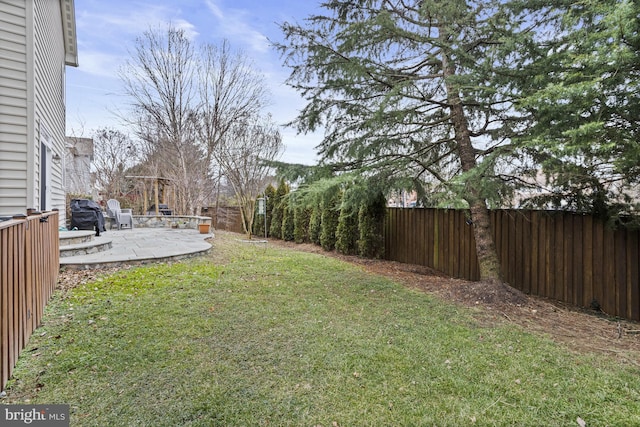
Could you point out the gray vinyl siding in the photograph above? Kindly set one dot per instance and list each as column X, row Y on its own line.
column 49, row 105
column 13, row 108
column 32, row 84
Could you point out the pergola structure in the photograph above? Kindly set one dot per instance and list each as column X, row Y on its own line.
column 157, row 183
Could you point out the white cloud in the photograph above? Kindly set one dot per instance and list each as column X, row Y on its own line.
column 112, row 25
column 233, row 24
column 100, row 64
column 215, row 9
column 188, row 28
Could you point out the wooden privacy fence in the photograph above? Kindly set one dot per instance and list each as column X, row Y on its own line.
column 225, row 218
column 568, row 257
column 29, row 257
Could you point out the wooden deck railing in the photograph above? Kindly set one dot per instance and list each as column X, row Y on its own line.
column 29, row 263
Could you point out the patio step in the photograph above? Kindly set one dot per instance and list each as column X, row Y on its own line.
column 82, row 242
column 75, row 237
column 85, row 248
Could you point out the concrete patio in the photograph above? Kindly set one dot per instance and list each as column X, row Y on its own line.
column 83, row 250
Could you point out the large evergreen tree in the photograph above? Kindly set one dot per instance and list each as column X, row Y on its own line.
column 404, row 92
column 580, row 86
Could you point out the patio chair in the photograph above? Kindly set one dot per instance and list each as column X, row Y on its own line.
column 122, row 218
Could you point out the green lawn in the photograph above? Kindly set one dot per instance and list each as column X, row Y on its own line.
column 274, row 337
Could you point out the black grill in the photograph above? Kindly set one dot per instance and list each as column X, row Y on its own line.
column 87, row 215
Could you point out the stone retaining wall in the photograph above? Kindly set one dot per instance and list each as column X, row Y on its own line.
column 169, row 221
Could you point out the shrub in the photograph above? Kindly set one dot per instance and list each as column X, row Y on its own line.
column 277, row 214
column 347, row 231
column 301, row 221
column 370, row 224
column 330, row 213
column 315, row 224
column 258, row 223
column 270, row 192
column 287, row 220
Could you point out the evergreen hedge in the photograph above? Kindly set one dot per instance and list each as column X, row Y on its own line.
column 287, row 219
column 330, row 213
column 315, row 224
column 277, row 214
column 270, row 192
column 301, row 221
column 371, row 223
column 347, row 231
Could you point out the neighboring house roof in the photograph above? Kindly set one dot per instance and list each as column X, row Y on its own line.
column 69, row 28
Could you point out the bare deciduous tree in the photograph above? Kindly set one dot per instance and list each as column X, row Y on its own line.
column 159, row 79
column 183, row 102
column 114, row 152
column 230, row 91
column 243, row 155
column 159, row 160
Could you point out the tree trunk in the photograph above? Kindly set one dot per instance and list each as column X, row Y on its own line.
column 245, row 219
column 488, row 260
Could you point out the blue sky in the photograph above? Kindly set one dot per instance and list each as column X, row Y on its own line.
column 107, row 31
